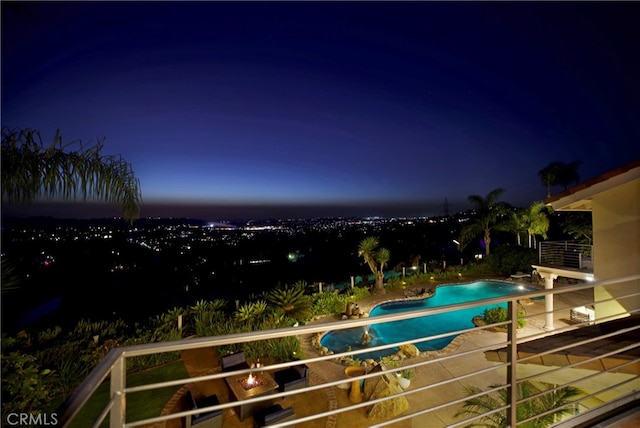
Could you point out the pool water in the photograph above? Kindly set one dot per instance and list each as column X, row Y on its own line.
column 430, row 325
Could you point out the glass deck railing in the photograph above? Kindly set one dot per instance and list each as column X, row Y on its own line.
column 488, row 357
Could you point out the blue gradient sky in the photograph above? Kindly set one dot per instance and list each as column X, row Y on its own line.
column 339, row 107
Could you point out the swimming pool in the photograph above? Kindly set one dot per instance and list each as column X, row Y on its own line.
column 430, row 325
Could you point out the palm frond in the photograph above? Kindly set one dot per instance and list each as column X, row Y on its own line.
column 32, row 170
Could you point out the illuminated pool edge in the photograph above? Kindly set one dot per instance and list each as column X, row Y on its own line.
column 424, row 346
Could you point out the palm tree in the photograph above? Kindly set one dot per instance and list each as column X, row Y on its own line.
column 548, row 176
column 569, row 174
column 488, row 211
column 559, row 173
column 538, row 222
column 30, row 169
column 541, row 402
column 376, row 257
column 518, row 224
column 529, row 221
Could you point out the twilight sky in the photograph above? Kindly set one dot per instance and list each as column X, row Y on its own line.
column 259, row 109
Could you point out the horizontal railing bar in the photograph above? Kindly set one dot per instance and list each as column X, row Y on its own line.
column 560, row 386
column 619, row 315
column 612, row 299
column 285, row 365
column 579, row 363
column 302, row 390
column 452, row 380
column 548, row 412
column 581, row 342
column 632, row 396
column 272, row 367
column 572, row 327
column 106, row 410
column 322, row 414
column 575, row 381
column 452, row 356
column 592, row 413
column 179, row 345
column 406, row 393
column 455, row 333
column 323, row 386
column 475, row 418
column 100, row 373
column 88, row 387
column 445, row 405
column 390, row 371
column 199, row 410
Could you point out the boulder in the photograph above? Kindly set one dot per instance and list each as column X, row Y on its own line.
column 410, row 350
column 384, row 386
column 349, row 309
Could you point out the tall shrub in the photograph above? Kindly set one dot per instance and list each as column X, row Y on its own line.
column 509, row 259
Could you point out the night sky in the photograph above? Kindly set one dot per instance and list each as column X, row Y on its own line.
column 243, row 109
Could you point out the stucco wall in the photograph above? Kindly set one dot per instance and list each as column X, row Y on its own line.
column 616, row 244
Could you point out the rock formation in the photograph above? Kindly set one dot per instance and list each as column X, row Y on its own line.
column 384, row 385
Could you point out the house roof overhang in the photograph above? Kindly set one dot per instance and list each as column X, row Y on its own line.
column 579, row 197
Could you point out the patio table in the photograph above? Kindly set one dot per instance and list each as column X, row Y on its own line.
column 267, row 386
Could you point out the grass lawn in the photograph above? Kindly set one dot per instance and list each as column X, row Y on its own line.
column 141, row 405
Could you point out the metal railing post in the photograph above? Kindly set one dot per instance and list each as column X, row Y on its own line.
column 117, row 416
column 512, row 357
column 540, row 253
column 580, row 260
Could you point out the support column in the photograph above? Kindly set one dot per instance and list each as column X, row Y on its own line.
column 548, row 299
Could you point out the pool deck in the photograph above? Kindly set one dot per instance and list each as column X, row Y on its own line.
column 334, row 397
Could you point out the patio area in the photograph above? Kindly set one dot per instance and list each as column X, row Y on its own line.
column 334, row 397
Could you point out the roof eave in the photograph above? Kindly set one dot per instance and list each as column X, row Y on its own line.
column 578, row 198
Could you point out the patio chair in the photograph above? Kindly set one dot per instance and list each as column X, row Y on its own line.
column 273, row 415
column 236, row 361
column 211, row 419
column 294, row 377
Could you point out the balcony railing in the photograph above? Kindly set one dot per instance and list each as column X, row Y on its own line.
column 566, row 255
column 613, row 385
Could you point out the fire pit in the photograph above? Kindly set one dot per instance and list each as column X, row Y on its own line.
column 243, row 387
column 250, row 381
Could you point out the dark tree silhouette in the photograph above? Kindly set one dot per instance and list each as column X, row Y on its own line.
column 559, row 174
column 487, row 213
